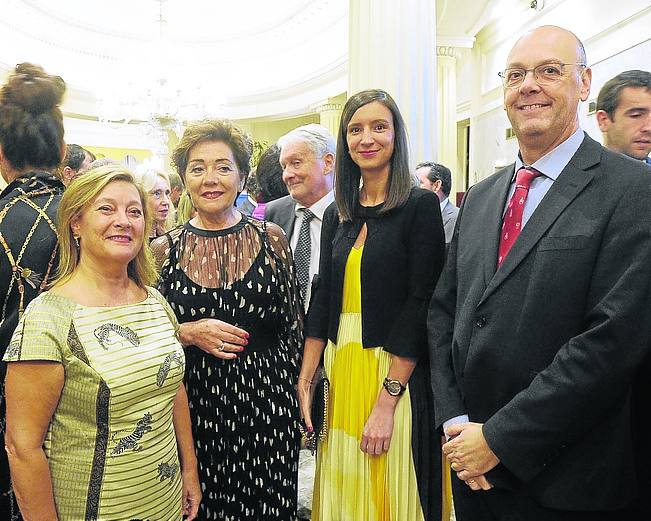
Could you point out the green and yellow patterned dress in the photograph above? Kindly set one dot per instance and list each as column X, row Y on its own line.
column 111, row 444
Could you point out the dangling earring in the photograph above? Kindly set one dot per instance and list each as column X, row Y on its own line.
column 76, row 238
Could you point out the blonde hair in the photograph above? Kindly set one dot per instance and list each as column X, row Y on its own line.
column 77, row 197
column 184, row 209
column 146, row 180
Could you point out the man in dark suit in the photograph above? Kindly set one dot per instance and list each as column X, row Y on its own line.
column 624, row 117
column 540, row 318
column 437, row 178
column 307, row 156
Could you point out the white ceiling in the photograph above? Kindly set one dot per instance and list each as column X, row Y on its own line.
column 287, row 55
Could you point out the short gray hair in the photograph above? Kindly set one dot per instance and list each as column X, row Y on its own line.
column 316, row 136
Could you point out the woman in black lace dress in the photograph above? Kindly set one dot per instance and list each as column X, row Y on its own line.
column 230, row 281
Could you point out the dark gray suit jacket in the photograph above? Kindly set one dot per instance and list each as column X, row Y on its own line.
column 542, row 351
column 282, row 212
column 449, row 215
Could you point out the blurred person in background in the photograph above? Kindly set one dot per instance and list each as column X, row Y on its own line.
column 102, row 161
column 252, row 189
column 624, row 114
column 76, row 161
column 307, row 156
column 185, row 209
column 437, row 178
column 176, row 186
column 156, row 185
column 269, row 175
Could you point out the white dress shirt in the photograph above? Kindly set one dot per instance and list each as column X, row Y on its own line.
column 318, row 209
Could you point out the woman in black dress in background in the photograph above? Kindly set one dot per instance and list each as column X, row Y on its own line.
column 231, row 284
column 31, row 148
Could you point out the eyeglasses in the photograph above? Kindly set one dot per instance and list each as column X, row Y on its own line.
column 544, row 74
column 159, row 194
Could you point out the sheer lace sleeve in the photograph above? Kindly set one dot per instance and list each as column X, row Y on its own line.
column 161, row 246
column 290, row 295
column 280, row 244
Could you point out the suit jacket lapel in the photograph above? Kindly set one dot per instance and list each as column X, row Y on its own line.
column 291, row 218
column 492, row 221
column 286, row 216
column 571, row 181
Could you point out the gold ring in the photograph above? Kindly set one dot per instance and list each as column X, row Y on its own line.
column 221, row 347
column 471, row 481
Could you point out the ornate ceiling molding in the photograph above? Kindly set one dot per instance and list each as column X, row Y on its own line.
column 450, row 52
column 448, row 40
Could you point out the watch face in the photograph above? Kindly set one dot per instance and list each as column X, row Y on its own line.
column 394, row 388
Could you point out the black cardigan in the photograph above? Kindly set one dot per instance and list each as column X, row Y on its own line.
column 403, row 257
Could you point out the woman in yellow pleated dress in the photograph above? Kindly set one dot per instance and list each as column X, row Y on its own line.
column 382, row 249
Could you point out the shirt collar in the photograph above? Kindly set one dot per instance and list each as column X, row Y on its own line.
column 554, row 161
column 318, row 208
column 444, row 203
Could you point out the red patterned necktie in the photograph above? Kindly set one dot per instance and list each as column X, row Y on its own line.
column 512, row 224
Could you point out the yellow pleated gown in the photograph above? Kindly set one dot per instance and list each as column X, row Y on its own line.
column 351, row 485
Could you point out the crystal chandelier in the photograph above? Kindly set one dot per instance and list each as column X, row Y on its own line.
column 149, row 94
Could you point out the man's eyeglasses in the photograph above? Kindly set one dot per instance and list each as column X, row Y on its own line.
column 544, row 74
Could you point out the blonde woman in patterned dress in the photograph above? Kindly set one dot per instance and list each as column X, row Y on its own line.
column 98, row 426
column 229, row 279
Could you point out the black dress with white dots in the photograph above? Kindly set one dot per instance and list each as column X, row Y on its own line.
column 244, row 411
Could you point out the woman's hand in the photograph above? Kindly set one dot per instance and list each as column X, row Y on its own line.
column 376, row 437
column 191, row 494
column 305, row 395
column 217, row 338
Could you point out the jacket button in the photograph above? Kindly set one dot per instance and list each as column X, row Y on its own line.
column 480, row 322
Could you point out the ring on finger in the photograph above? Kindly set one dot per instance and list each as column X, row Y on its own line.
column 221, row 347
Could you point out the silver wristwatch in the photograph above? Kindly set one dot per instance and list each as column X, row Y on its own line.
column 394, row 387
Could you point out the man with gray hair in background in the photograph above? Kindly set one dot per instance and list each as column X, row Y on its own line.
column 307, row 157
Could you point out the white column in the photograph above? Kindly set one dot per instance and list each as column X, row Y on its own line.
column 329, row 116
column 392, row 46
column 446, row 73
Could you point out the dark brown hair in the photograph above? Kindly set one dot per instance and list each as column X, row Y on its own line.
column 608, row 98
column 347, row 173
column 222, row 130
column 31, row 123
column 270, row 175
